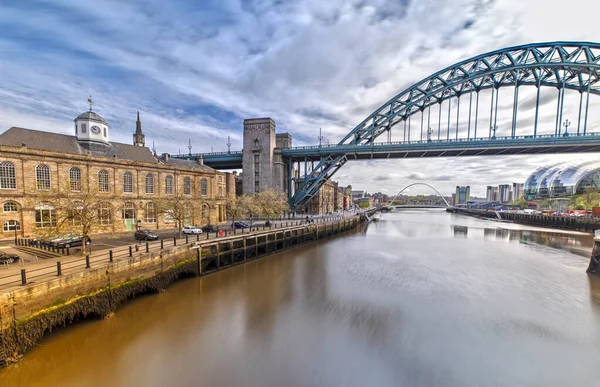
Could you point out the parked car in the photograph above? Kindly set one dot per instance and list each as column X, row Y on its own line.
column 191, row 230
column 146, row 235
column 210, row 228
column 240, row 225
column 59, row 240
column 74, row 242
column 8, row 258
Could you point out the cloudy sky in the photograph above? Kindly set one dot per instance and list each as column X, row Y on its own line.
column 196, row 69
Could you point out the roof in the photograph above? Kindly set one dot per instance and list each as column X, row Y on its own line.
column 54, row 142
column 186, row 163
column 90, row 115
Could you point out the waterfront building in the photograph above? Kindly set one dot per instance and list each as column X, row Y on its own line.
column 131, row 177
column 504, row 193
column 461, row 196
column 562, row 180
column 357, row 195
column 517, row 190
column 491, row 193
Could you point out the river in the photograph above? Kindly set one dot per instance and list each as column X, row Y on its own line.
column 422, row 298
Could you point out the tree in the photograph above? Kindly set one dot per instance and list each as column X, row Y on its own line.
column 238, row 207
column 364, row 204
column 71, row 207
column 270, row 204
column 177, row 208
column 522, row 203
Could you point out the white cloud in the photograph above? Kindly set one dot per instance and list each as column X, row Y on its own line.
column 196, row 70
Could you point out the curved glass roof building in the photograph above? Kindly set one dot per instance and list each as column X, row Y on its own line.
column 561, row 180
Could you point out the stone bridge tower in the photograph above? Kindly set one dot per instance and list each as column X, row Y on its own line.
column 262, row 163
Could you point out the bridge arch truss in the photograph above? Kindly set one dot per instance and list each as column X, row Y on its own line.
column 559, row 65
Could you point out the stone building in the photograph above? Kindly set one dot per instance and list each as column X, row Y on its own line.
column 131, row 177
column 323, row 202
column 264, row 167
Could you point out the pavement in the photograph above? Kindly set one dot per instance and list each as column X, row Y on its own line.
column 40, row 269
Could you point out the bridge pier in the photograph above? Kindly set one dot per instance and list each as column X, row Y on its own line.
column 594, row 267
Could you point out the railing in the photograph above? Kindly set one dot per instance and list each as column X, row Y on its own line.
column 206, row 154
column 134, row 253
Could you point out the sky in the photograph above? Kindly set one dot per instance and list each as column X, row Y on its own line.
column 195, row 69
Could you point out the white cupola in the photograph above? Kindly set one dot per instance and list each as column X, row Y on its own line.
column 89, row 126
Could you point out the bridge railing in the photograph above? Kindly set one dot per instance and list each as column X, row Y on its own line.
column 452, row 140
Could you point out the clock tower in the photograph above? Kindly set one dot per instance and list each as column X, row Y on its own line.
column 89, row 126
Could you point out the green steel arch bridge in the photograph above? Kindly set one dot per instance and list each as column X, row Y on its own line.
column 561, row 66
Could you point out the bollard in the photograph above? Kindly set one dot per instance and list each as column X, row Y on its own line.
column 87, row 261
column 58, row 269
column 23, row 277
column 207, row 235
column 186, row 239
column 68, row 251
column 197, row 237
column 110, row 256
column 63, row 250
column 147, row 247
column 162, row 245
column 235, row 231
column 174, row 241
column 130, row 251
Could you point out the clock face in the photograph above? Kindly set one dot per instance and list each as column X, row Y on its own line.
column 95, row 129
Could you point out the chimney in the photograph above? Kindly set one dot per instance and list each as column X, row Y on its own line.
column 165, row 157
column 23, row 145
column 201, row 160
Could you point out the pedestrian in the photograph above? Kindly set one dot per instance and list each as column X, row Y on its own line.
column 139, row 225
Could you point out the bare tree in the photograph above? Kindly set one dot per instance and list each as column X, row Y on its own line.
column 71, row 207
column 176, row 208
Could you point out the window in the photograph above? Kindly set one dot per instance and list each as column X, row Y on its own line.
column 11, row 225
column 127, row 182
column 75, row 179
column 150, row 213
column 220, row 179
column 83, row 128
column 256, row 172
column 128, row 211
column 10, row 207
column 75, row 214
column 104, row 214
column 220, row 192
column 149, row 183
column 169, row 185
column 42, row 177
column 204, row 187
column 187, row 186
column 7, row 175
column 103, row 181
column 105, row 132
column 44, row 215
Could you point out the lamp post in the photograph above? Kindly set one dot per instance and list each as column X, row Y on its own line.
column 429, row 134
column 566, row 124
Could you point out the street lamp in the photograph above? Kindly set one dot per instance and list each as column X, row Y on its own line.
column 566, row 124
column 429, row 134
column 494, row 127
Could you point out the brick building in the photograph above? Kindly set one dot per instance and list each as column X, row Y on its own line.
column 130, row 176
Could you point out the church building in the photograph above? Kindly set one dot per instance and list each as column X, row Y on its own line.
column 130, row 176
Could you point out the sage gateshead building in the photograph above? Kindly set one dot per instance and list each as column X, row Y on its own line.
column 562, row 180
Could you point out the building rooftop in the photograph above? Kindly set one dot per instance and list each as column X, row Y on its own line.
column 54, row 142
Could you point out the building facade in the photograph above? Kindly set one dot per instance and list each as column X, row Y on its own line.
column 461, row 195
column 129, row 180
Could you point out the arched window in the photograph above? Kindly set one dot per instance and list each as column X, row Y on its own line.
column 150, row 213
column 187, row 186
column 204, row 187
column 11, row 225
column 42, row 177
column 7, row 175
column 149, row 183
column 128, row 211
column 10, row 207
column 104, row 214
column 44, row 215
column 103, row 185
column 75, row 179
column 169, row 185
column 128, row 182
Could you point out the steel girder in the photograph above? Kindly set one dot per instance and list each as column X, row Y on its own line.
column 571, row 65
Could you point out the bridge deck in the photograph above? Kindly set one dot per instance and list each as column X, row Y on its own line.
column 419, row 149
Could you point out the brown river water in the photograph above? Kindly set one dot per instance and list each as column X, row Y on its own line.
column 422, row 298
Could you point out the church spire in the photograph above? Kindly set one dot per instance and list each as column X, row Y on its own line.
column 138, row 137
